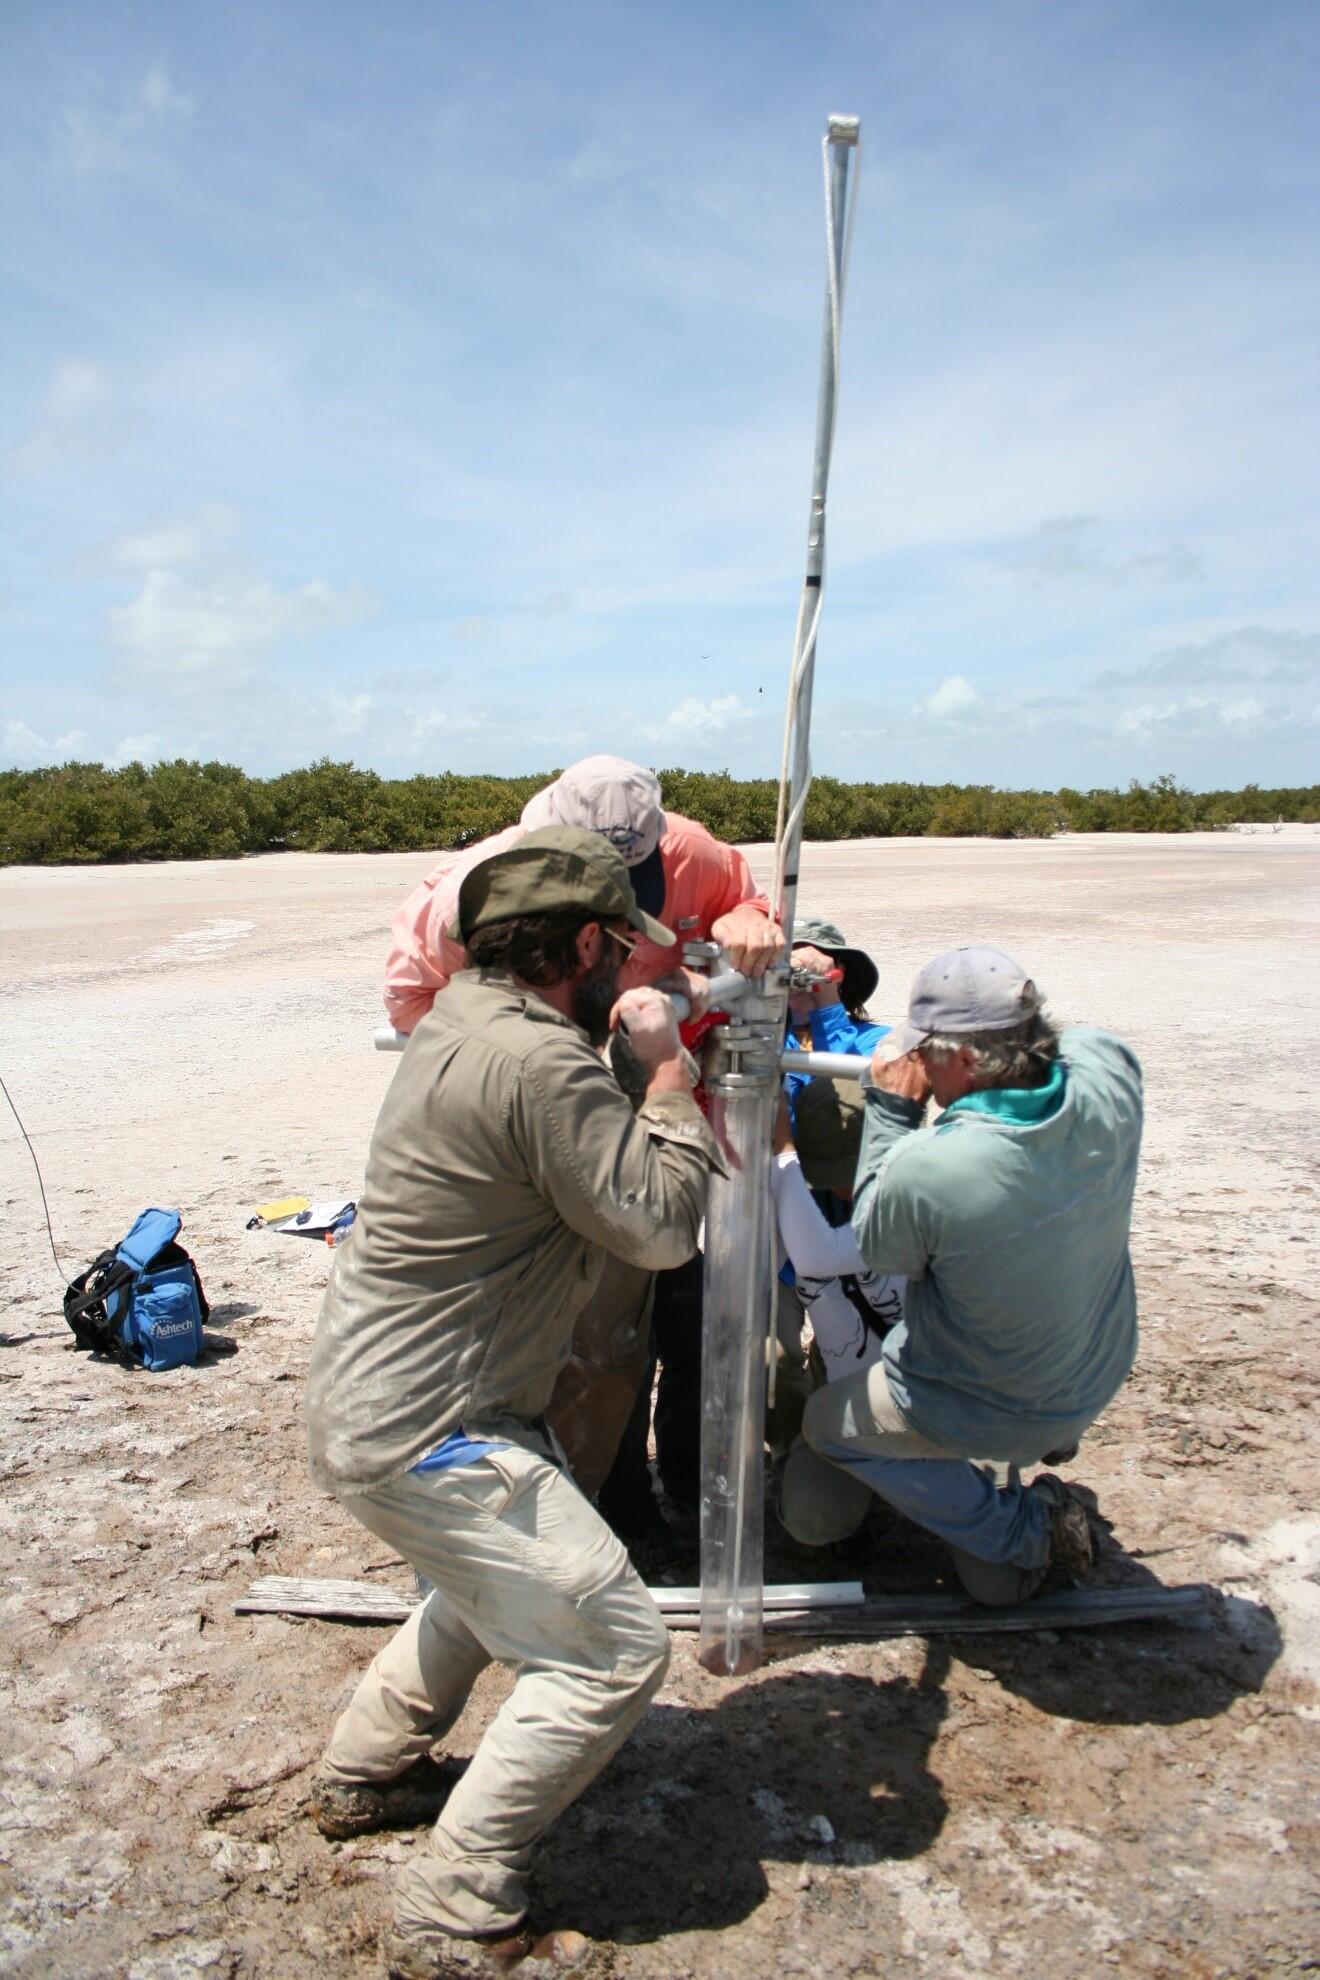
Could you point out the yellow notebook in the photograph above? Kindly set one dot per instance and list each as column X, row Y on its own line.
column 284, row 1206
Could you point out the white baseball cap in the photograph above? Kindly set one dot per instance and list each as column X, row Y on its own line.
column 604, row 794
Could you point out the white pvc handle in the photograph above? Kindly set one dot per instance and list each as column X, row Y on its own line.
column 825, row 1065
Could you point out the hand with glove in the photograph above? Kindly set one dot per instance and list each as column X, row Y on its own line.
column 646, row 1018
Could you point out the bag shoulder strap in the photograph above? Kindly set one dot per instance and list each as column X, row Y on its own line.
column 85, row 1304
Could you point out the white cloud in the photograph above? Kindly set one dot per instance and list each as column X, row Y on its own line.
column 23, row 746
column 448, row 722
column 134, row 749
column 98, row 136
column 194, row 627
column 554, row 605
column 1196, row 716
column 1246, row 655
column 481, row 629
column 1149, row 715
column 1068, row 549
column 26, row 750
column 695, row 721
column 1236, row 713
column 76, row 390
column 1251, row 682
column 77, row 421
column 1174, row 564
column 202, row 612
column 346, row 714
column 181, row 540
column 158, row 96
column 952, row 700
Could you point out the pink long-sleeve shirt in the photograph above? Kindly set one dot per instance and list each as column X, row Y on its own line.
column 704, row 879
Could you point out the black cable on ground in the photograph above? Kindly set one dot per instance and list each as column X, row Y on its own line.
column 40, row 1184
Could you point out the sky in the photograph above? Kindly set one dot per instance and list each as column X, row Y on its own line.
column 434, row 386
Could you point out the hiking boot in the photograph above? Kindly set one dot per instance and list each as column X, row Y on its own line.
column 1064, row 1455
column 438, row 1955
column 1070, row 1531
column 1002, row 1584
column 352, row 1808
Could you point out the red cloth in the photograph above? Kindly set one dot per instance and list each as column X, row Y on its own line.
column 704, row 879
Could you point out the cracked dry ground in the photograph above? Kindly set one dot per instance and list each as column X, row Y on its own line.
column 1139, row 1800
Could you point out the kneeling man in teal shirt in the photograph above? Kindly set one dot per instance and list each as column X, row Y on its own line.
column 1010, row 1218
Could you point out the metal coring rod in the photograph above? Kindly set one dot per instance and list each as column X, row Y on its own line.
column 842, row 137
column 744, row 1059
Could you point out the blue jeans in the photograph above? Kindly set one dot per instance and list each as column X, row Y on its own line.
column 853, row 1425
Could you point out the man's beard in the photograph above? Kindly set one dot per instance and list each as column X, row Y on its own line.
column 594, row 997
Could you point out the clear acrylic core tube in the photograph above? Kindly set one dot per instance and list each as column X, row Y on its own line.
column 744, row 1090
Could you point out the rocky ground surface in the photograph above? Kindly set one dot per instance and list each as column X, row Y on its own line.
column 1141, row 1799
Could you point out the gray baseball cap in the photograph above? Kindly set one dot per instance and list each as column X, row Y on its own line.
column 963, row 991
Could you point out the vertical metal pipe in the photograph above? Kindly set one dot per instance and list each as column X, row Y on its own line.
column 742, row 1077
column 841, row 139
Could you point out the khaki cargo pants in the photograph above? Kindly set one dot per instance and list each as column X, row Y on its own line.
column 526, row 1574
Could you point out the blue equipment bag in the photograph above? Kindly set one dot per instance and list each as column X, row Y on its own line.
column 143, row 1302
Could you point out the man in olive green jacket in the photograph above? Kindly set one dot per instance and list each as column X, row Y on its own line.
column 505, row 1164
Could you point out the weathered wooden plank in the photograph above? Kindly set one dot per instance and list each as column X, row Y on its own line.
column 282, row 1594
column 874, row 1618
column 954, row 1615
column 350, row 1601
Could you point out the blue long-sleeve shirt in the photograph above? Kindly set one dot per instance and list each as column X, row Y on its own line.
column 834, row 1029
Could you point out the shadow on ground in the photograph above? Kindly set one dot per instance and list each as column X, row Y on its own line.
column 675, row 1835
column 1136, row 1674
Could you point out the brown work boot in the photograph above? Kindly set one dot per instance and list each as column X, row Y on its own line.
column 352, row 1808
column 1070, row 1531
column 441, row 1955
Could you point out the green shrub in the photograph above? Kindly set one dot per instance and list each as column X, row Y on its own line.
column 83, row 813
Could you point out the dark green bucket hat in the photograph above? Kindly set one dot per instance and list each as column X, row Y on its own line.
column 860, row 975
column 827, row 1129
column 558, row 868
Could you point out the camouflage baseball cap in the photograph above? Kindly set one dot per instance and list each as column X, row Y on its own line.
column 557, row 869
